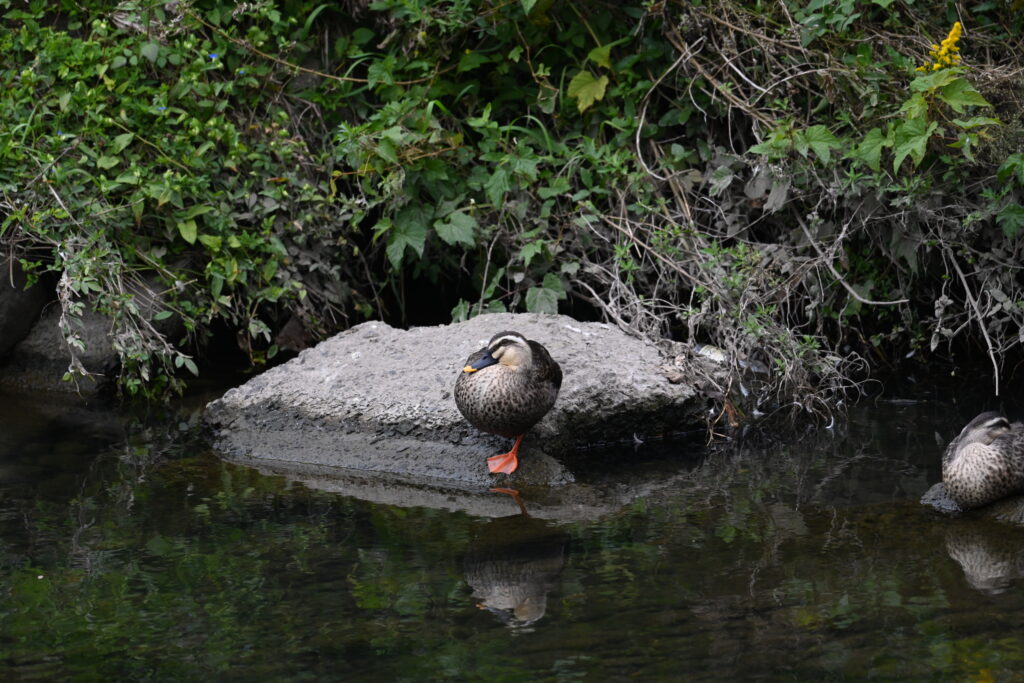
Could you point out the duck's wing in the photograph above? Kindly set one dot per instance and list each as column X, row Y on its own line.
column 546, row 367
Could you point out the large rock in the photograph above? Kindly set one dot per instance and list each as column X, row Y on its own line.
column 41, row 359
column 378, row 399
column 19, row 307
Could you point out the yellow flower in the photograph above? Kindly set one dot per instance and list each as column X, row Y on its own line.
column 945, row 54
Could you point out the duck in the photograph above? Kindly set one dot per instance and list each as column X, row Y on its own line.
column 985, row 462
column 505, row 388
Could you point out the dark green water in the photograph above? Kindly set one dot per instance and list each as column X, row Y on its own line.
column 130, row 552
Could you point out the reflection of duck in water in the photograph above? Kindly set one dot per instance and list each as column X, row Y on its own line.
column 506, row 388
column 511, row 566
column 985, row 462
column 991, row 555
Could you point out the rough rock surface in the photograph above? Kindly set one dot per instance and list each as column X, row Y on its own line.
column 19, row 307
column 379, row 399
column 41, row 359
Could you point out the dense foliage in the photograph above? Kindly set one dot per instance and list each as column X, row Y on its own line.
column 794, row 183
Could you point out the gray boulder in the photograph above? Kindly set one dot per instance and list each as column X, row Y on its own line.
column 41, row 359
column 379, row 400
column 19, row 307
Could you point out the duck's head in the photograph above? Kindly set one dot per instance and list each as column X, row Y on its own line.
column 507, row 348
column 983, row 429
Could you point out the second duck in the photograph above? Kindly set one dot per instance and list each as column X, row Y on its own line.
column 985, row 462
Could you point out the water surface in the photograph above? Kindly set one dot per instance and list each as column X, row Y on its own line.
column 129, row 551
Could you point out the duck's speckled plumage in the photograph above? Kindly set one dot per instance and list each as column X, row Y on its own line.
column 507, row 399
column 985, row 462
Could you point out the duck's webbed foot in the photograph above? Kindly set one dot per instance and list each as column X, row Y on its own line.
column 506, row 462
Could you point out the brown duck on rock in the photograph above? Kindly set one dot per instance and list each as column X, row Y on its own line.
column 985, row 462
column 506, row 388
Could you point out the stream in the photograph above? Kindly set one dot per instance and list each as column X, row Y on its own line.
column 130, row 551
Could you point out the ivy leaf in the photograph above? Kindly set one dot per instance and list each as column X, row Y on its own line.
column 554, row 283
column 916, row 107
column 870, row 149
column 959, row 94
column 1014, row 165
column 497, row 186
column 471, row 60
column 460, row 312
column 822, row 141
column 409, row 229
column 601, row 56
column 541, row 300
column 1011, row 219
column 457, row 228
column 531, row 250
column 911, row 139
column 558, row 185
column 933, row 80
column 586, row 89
column 976, row 122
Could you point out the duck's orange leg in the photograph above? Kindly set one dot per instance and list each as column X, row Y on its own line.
column 506, row 462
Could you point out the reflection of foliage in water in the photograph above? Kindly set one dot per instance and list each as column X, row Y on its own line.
column 798, row 561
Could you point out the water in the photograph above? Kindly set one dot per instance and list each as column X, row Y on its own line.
column 128, row 551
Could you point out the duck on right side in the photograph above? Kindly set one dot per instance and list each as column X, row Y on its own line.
column 985, row 462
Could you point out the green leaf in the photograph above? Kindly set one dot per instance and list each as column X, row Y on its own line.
column 977, row 122
column 530, row 250
column 527, row 5
column 120, row 142
column 497, row 185
column 1014, row 165
column 822, row 141
column 211, row 242
column 959, row 94
column 190, row 365
column 586, row 89
column 409, row 230
column 554, row 283
column 197, row 210
column 457, row 228
column 150, row 51
column 460, row 312
column 129, row 177
column 163, row 315
column 720, row 179
column 187, row 228
column 1011, row 219
column 107, row 162
column 916, row 107
column 558, row 185
column 493, row 284
column 911, row 139
column 933, row 80
column 541, row 300
column 471, row 60
column 870, row 149
column 601, row 56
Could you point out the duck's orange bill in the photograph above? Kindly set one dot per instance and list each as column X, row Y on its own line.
column 469, row 368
